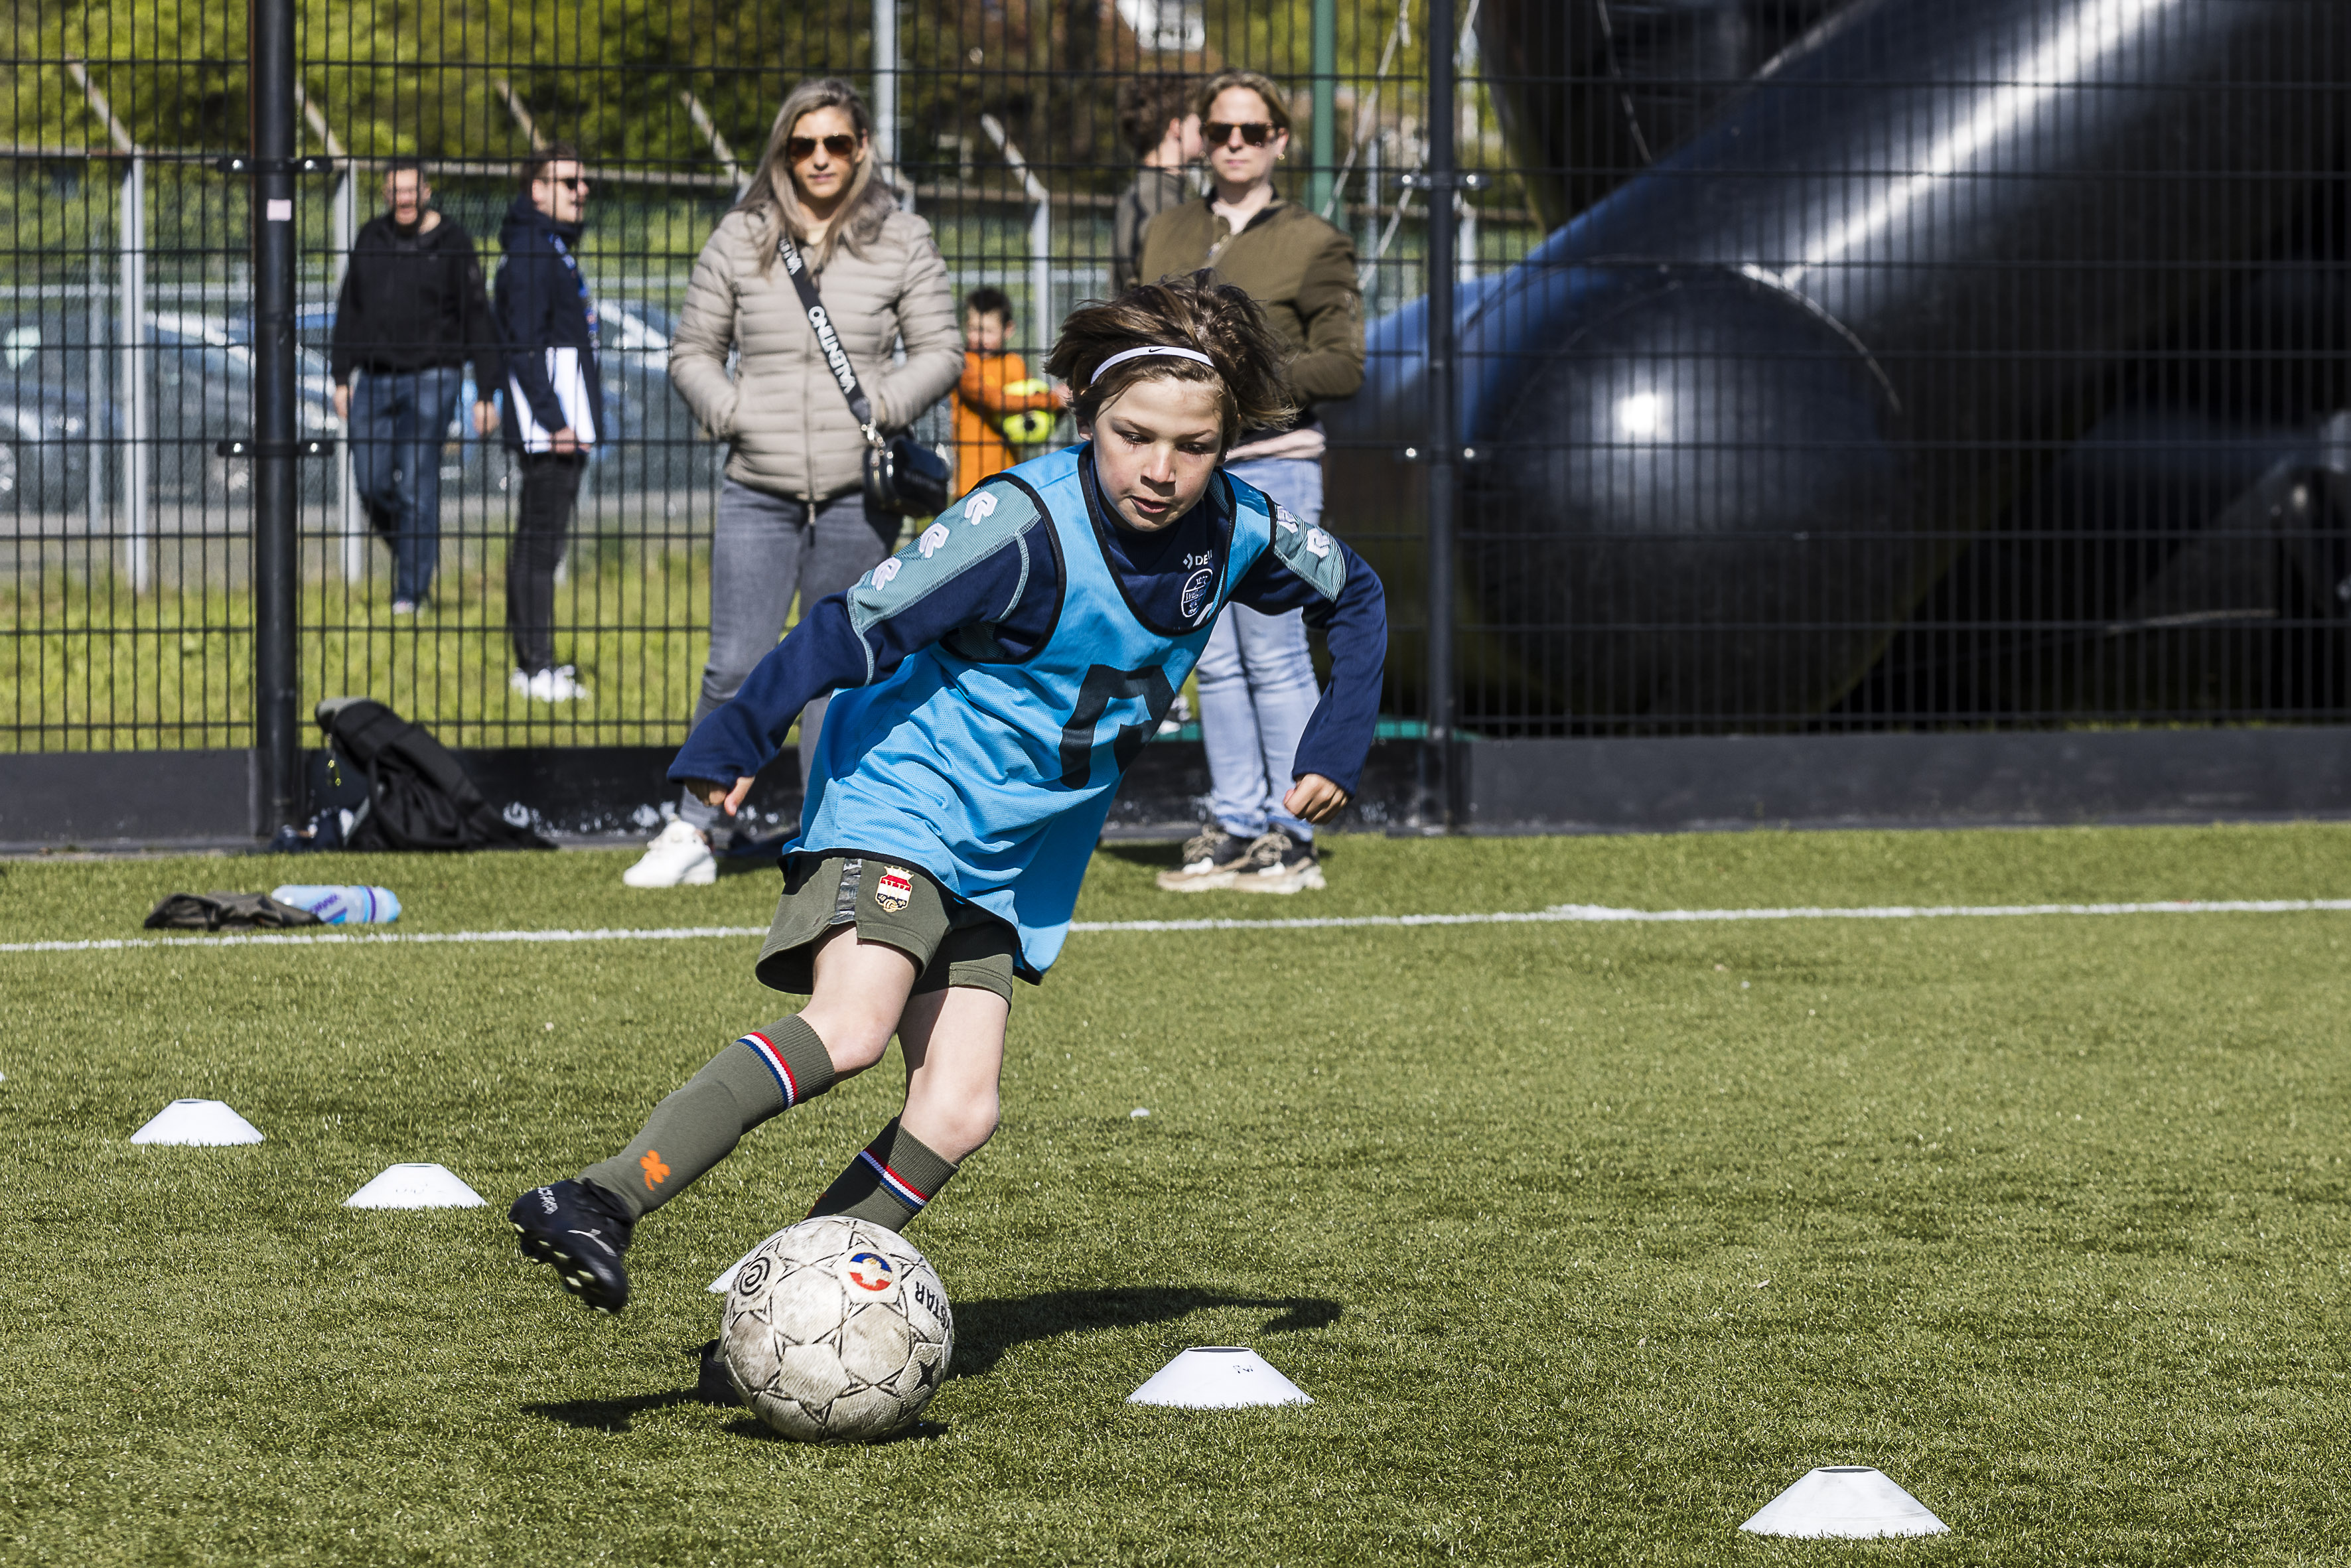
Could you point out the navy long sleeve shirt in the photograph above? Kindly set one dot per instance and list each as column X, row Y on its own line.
column 542, row 304
column 1004, row 601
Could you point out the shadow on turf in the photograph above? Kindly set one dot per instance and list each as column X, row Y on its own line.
column 711, row 1386
column 986, row 1330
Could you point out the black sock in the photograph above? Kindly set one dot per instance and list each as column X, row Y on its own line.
column 890, row 1181
column 763, row 1074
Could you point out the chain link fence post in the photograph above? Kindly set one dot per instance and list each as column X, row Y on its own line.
column 1439, row 786
column 277, row 541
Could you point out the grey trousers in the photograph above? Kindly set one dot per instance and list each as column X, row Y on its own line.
column 765, row 550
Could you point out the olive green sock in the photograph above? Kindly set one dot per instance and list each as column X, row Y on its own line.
column 889, row 1182
column 764, row 1073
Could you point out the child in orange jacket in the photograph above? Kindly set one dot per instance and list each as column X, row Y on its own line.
column 995, row 398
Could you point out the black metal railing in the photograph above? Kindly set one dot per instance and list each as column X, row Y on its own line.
column 1808, row 364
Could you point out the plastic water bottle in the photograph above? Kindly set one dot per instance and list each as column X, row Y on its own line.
column 353, row 905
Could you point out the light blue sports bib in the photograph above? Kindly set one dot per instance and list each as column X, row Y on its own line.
column 995, row 775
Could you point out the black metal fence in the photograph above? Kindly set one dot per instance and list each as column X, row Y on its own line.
column 1811, row 364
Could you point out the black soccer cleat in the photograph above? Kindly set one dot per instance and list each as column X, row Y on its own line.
column 582, row 1233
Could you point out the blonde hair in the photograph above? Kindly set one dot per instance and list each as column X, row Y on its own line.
column 1197, row 313
column 773, row 195
column 1276, row 111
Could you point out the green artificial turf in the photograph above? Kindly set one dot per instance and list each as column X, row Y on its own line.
column 1586, row 1239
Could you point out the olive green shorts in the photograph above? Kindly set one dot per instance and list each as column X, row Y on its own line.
column 952, row 943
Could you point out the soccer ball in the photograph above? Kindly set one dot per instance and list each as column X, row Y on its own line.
column 1028, row 429
column 836, row 1328
column 1032, row 426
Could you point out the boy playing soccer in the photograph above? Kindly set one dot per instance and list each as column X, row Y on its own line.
column 995, row 393
column 993, row 683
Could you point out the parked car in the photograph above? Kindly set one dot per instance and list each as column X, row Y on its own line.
column 203, row 385
column 50, row 425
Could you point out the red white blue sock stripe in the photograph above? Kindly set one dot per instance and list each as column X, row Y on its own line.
column 765, row 1050
column 899, row 1187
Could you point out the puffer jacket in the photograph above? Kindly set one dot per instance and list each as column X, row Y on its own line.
column 782, row 412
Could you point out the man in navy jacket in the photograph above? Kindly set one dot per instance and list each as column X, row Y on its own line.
column 553, row 398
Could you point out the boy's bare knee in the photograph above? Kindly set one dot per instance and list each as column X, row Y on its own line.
column 855, row 1048
column 974, row 1126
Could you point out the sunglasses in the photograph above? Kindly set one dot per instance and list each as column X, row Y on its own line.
column 576, row 184
column 800, row 149
column 1256, row 132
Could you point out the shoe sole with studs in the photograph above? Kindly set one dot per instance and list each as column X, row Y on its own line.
column 575, row 1279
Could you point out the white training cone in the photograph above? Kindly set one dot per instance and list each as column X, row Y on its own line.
column 1219, row 1377
column 201, row 1121
column 725, row 1282
column 415, row 1187
column 1851, row 1502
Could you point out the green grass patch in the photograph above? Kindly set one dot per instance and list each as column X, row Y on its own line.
column 1585, row 1240
column 86, row 664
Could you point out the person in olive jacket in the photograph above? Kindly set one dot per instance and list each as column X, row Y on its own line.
column 1256, row 678
column 792, row 518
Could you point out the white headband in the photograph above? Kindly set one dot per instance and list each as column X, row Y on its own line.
column 1155, row 351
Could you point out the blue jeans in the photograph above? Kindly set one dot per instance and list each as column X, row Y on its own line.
column 1257, row 681
column 399, row 420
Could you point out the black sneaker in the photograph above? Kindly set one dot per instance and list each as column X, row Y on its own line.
column 1279, row 863
column 583, row 1233
column 1211, row 856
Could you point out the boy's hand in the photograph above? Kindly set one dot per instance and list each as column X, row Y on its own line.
column 710, row 792
column 1314, row 799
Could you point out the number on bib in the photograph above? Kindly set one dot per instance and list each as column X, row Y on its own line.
column 1103, row 685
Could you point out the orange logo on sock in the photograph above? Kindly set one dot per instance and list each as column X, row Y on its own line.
column 657, row 1173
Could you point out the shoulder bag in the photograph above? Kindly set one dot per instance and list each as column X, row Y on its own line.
column 902, row 475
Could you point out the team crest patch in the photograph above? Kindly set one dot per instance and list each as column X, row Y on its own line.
column 895, row 890
column 869, row 1276
column 1195, row 592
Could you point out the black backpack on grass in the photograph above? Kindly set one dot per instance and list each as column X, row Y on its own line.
column 402, row 788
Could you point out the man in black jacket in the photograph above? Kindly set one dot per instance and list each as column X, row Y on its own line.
column 412, row 312
column 555, row 398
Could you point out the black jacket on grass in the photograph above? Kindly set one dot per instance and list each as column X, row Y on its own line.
column 414, row 300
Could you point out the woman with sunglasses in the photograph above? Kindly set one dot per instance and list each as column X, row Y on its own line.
column 792, row 519
column 1257, row 679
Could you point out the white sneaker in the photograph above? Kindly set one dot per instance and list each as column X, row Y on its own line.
column 678, row 857
column 560, row 684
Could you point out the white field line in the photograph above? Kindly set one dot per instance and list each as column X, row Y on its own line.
column 1558, row 914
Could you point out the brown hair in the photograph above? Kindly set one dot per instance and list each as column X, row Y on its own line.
column 1276, row 109
column 1146, row 105
column 537, row 163
column 864, row 206
column 1195, row 312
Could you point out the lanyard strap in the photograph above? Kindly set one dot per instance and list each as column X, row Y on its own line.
column 835, row 357
column 579, row 281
